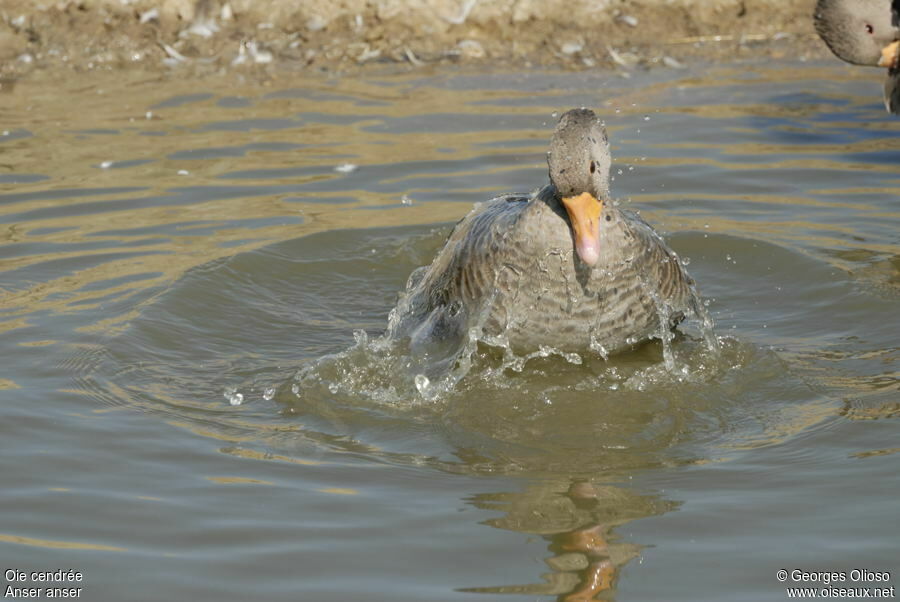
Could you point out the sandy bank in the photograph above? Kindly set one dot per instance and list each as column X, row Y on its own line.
column 347, row 35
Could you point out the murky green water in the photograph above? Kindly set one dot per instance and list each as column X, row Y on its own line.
column 168, row 247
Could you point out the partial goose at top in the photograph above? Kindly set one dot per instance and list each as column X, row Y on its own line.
column 865, row 32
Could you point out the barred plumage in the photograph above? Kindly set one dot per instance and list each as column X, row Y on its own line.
column 511, row 270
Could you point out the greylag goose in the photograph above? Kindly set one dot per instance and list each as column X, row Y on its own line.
column 564, row 267
column 865, row 32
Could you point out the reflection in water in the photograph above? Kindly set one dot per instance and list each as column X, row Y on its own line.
column 578, row 523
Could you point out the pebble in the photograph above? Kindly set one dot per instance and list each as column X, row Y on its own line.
column 571, row 48
column 411, row 57
column 673, row 63
column 368, row 54
column 625, row 59
column 463, row 14
column 471, row 49
column 204, row 28
column 251, row 52
column 173, row 54
column 149, row 15
column 316, row 23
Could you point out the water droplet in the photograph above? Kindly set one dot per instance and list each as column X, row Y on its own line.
column 685, row 261
column 269, row 393
column 422, row 383
column 646, row 118
column 346, row 168
column 619, row 172
column 406, row 200
column 598, row 348
column 106, row 165
column 554, row 114
column 233, row 397
column 183, row 172
column 572, row 358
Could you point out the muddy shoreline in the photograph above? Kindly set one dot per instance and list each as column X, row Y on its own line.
column 352, row 35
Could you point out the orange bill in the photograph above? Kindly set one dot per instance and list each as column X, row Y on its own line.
column 889, row 55
column 584, row 213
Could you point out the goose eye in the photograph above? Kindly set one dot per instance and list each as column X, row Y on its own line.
column 869, row 29
column 593, row 167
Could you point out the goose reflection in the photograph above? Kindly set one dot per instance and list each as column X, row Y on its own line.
column 578, row 519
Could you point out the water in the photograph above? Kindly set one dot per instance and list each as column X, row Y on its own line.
column 194, row 276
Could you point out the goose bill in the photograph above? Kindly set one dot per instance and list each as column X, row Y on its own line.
column 584, row 213
column 889, row 55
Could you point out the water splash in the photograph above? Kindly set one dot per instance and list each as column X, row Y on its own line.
column 666, row 334
column 598, row 347
column 707, row 324
column 422, row 384
column 440, row 329
column 695, row 306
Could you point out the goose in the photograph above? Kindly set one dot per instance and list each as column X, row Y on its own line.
column 864, row 32
column 564, row 267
